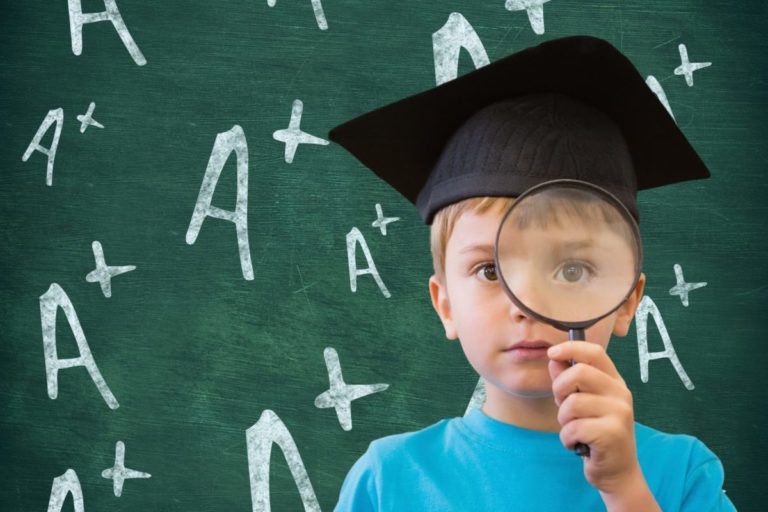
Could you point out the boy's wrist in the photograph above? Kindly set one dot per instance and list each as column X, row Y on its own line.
column 634, row 495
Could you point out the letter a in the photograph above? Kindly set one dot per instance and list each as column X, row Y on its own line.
column 355, row 237
column 77, row 19
column 447, row 42
column 50, row 301
column 68, row 483
column 646, row 307
column 54, row 116
column 226, row 142
column 260, row 438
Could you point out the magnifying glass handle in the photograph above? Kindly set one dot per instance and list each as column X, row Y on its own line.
column 578, row 335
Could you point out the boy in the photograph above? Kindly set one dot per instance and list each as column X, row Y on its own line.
column 569, row 108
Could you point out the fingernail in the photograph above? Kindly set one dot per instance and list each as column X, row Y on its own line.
column 553, row 351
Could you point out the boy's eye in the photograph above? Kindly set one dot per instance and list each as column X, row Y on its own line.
column 488, row 271
column 574, row 271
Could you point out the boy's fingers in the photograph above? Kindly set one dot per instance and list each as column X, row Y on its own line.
column 584, row 352
column 582, row 430
column 587, row 405
column 588, row 379
column 556, row 368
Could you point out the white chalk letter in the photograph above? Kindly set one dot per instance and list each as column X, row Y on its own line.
column 50, row 302
column 54, row 116
column 535, row 10
column 317, row 7
column 226, row 142
column 478, row 397
column 63, row 485
column 648, row 307
column 658, row 90
column 260, row 438
column 355, row 237
column 447, row 42
column 77, row 19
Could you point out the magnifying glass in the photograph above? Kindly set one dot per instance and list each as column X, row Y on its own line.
column 568, row 253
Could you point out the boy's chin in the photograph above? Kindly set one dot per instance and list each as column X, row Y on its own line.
column 530, row 393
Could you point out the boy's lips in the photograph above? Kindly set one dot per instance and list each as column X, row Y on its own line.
column 528, row 350
column 529, row 344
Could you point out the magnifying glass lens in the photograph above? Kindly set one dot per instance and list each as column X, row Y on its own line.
column 569, row 253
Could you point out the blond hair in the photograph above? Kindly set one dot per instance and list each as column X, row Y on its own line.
column 445, row 219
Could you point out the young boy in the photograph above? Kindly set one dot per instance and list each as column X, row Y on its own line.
column 569, row 108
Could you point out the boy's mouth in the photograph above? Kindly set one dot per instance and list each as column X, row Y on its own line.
column 528, row 350
column 527, row 344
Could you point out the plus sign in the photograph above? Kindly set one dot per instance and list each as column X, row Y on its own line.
column 687, row 68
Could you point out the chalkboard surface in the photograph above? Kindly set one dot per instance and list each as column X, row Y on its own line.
column 188, row 265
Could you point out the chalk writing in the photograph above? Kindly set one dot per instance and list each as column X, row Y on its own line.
column 77, row 19
column 447, row 43
column 119, row 473
column 104, row 273
column 317, row 7
column 682, row 288
column 382, row 221
column 340, row 394
column 226, row 142
column 355, row 237
column 50, row 302
column 648, row 307
column 687, row 68
column 87, row 119
column 478, row 396
column 655, row 86
column 260, row 438
column 535, row 10
column 53, row 116
column 68, row 483
column 293, row 135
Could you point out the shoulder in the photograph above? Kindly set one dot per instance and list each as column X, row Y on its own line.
column 388, row 460
column 651, row 441
column 681, row 469
column 409, row 445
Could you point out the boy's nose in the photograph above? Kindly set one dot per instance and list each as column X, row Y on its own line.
column 517, row 314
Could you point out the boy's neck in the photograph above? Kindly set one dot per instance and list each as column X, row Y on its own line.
column 531, row 413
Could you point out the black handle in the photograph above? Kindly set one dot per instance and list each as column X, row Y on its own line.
column 581, row 449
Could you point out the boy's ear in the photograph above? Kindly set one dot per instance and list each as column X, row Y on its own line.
column 627, row 310
column 439, row 294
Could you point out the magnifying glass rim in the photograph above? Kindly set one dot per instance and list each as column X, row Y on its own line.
column 573, row 183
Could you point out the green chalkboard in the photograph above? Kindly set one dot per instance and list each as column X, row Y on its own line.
column 207, row 347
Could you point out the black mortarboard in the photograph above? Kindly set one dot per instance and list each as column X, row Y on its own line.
column 573, row 107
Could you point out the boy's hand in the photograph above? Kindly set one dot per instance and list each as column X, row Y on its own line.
column 600, row 414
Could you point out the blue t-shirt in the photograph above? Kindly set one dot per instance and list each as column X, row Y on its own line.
column 479, row 463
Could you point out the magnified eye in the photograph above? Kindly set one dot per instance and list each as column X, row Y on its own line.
column 574, row 271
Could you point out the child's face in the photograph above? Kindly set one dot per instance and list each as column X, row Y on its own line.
column 474, row 307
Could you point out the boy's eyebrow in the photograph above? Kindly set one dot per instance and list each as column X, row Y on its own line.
column 487, row 248
column 578, row 244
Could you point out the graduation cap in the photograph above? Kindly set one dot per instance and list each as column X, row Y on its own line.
column 573, row 107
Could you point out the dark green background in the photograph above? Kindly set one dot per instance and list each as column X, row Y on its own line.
column 194, row 353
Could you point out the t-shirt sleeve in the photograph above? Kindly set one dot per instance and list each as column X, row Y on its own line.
column 358, row 492
column 704, row 483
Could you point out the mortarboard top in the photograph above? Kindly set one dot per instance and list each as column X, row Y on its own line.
column 573, row 107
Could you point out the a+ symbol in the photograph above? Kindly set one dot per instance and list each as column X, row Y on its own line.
column 340, row 395
column 293, row 136
column 687, row 68
column 682, row 288
column 382, row 221
column 87, row 119
column 119, row 473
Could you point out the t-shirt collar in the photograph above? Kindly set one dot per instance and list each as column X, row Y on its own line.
column 508, row 437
